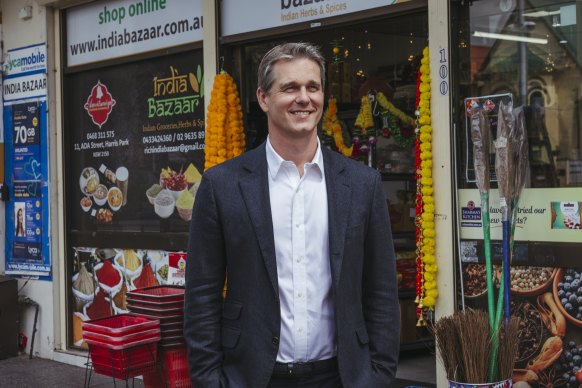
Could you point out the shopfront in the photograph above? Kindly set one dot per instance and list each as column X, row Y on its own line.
column 130, row 80
column 133, row 118
column 525, row 54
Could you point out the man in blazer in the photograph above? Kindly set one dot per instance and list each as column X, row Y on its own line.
column 303, row 236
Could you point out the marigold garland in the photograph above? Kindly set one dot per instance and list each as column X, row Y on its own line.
column 365, row 121
column 332, row 128
column 387, row 105
column 225, row 136
column 426, row 285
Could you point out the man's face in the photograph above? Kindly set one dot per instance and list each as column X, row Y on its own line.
column 295, row 102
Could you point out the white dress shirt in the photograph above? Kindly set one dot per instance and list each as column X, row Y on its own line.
column 300, row 226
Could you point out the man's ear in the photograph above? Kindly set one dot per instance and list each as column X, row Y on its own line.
column 261, row 96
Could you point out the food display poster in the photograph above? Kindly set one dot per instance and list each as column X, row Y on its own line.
column 102, row 277
column 27, row 241
column 548, row 302
column 544, row 214
column 491, row 105
column 136, row 150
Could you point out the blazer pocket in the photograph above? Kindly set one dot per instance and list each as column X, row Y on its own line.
column 230, row 337
column 231, row 310
column 362, row 334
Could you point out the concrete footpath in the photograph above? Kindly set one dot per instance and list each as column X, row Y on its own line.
column 22, row 372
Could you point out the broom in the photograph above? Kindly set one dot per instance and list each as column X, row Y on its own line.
column 480, row 136
column 464, row 346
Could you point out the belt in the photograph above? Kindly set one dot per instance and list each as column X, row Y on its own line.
column 295, row 370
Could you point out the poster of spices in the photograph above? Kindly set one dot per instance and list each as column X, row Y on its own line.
column 136, row 149
column 548, row 301
column 491, row 105
column 27, row 241
column 103, row 276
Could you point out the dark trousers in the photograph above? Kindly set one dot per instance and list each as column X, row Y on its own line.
column 329, row 379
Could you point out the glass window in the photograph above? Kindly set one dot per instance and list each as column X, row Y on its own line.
column 528, row 49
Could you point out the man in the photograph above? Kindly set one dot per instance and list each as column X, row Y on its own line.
column 303, row 236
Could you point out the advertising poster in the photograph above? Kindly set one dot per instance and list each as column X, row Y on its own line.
column 27, row 251
column 543, row 215
column 103, row 276
column 136, row 145
column 548, row 301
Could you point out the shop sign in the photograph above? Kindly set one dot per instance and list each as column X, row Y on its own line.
column 544, row 215
column 136, row 145
column 25, row 73
column 27, row 245
column 111, row 29
column 241, row 16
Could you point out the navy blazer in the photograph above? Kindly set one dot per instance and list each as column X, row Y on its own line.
column 234, row 343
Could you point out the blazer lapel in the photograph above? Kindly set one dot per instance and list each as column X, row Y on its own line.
column 338, row 202
column 254, row 187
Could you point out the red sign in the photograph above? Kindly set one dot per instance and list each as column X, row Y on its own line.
column 99, row 104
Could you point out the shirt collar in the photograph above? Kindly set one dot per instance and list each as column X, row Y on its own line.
column 275, row 161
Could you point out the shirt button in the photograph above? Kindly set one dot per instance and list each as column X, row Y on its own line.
column 275, row 340
column 299, row 259
column 300, row 330
column 299, row 295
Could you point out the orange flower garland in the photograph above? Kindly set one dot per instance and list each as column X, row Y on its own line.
column 332, row 128
column 225, row 136
column 427, row 292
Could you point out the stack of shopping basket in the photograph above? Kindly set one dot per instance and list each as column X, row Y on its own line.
column 122, row 346
column 166, row 304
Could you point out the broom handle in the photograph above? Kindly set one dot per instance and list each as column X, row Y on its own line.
column 493, row 366
column 506, row 271
column 488, row 264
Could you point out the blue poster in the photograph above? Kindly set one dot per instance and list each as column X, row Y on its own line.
column 27, row 242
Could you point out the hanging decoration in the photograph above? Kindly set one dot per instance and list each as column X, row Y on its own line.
column 364, row 135
column 391, row 115
column 336, row 51
column 225, row 136
column 426, row 285
column 332, row 128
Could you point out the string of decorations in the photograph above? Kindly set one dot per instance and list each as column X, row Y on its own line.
column 426, row 284
column 225, row 136
column 364, row 134
column 392, row 115
column 332, row 128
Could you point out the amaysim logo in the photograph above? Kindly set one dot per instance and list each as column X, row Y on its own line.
column 27, row 62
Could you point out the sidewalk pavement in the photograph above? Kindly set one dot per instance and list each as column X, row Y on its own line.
column 22, row 372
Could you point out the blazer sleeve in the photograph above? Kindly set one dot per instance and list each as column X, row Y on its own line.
column 380, row 290
column 205, row 275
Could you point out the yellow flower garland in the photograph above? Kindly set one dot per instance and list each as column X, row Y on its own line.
column 225, row 136
column 387, row 105
column 331, row 126
column 426, row 242
column 365, row 121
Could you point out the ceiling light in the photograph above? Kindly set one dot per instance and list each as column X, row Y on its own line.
column 515, row 38
column 540, row 14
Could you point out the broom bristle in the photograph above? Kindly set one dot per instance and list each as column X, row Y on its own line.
column 465, row 348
